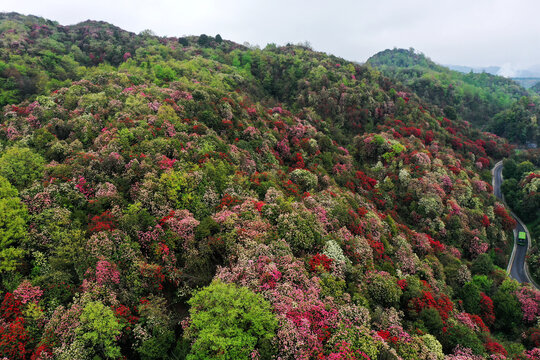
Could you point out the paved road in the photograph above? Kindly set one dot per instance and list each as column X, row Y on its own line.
column 517, row 266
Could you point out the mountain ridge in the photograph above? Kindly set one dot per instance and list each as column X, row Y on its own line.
column 194, row 198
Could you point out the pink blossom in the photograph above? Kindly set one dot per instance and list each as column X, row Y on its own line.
column 25, row 292
column 530, row 303
column 106, row 272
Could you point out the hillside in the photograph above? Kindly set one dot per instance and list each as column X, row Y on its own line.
column 191, row 198
column 479, row 98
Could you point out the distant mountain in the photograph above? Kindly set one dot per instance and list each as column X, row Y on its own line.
column 527, row 82
column 467, row 69
column 475, row 97
column 536, row 87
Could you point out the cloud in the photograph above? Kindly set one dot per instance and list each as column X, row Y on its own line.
column 507, row 70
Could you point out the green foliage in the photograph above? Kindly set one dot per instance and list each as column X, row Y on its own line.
column 99, row 329
column 482, row 265
column 431, row 320
column 306, row 180
column 155, row 321
column 461, row 335
column 13, row 216
column 383, row 290
column 300, row 231
column 21, row 166
column 229, row 322
column 479, row 98
column 470, row 294
column 508, row 312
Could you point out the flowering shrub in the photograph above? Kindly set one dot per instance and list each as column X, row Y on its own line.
column 320, row 263
column 507, row 221
column 530, row 303
column 343, row 222
column 103, row 222
column 26, row 293
column 441, row 303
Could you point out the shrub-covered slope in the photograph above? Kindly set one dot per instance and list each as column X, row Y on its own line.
column 198, row 199
column 492, row 102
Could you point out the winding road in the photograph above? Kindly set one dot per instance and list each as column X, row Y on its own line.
column 517, row 265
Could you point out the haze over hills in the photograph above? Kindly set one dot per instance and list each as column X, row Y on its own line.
column 194, row 198
column 525, row 77
column 506, row 71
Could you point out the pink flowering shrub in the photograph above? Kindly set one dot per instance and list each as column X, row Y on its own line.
column 529, row 299
column 106, row 272
column 26, row 293
column 183, row 224
column 306, row 321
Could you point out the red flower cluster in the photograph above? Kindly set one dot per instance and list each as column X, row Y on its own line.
column 320, row 263
column 126, row 315
column 428, row 138
column 486, row 309
column 484, row 162
column 103, row 222
column 436, row 245
column 385, row 334
column 228, row 201
column 495, row 348
column 507, row 221
column 442, row 304
column 366, row 182
column 408, row 131
column 485, row 220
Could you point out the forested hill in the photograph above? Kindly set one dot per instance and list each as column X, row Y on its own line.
column 491, row 102
column 192, row 198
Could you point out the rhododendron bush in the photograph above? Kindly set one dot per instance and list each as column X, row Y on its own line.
column 193, row 198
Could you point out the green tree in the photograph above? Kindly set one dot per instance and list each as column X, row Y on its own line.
column 509, row 169
column 229, row 322
column 461, row 335
column 524, row 168
column 21, row 166
column 508, row 313
column 431, row 319
column 99, row 329
column 13, row 216
column 470, row 294
column 483, row 265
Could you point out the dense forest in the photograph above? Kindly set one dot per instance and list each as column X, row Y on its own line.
column 493, row 103
column 193, row 198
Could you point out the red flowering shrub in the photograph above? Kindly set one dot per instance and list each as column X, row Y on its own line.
column 495, row 348
column 366, row 182
column 402, row 283
column 428, row 138
column 14, row 339
column 10, row 308
column 484, row 162
column 436, row 245
column 126, row 315
column 103, row 222
column 486, row 309
column 442, row 304
column 507, row 221
column 320, row 263
column 228, row 201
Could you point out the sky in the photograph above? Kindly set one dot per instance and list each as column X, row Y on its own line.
column 501, row 33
